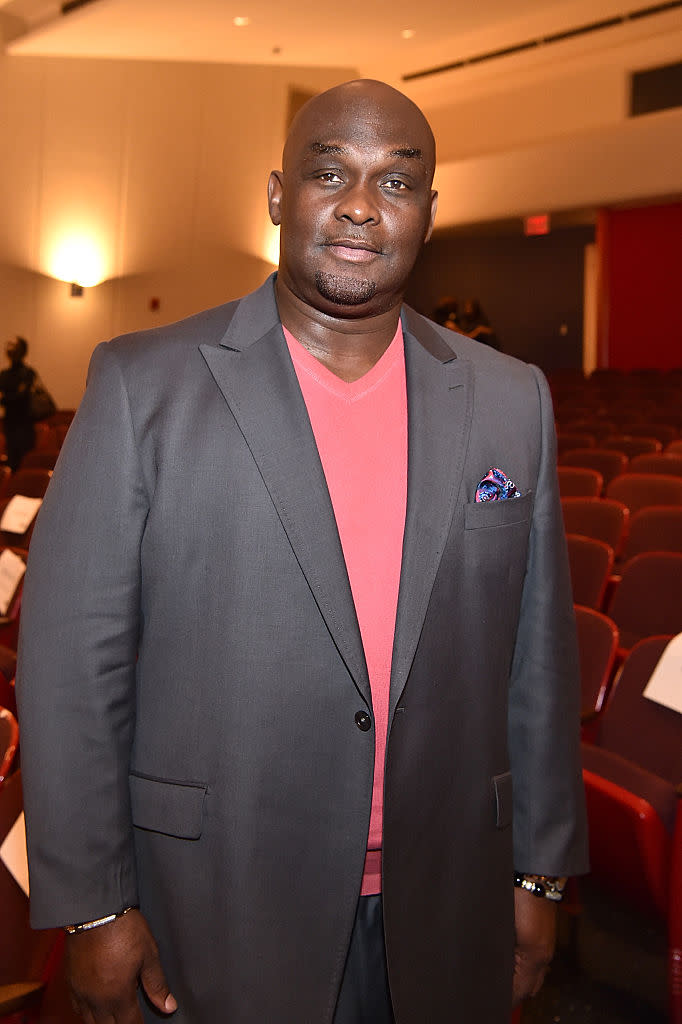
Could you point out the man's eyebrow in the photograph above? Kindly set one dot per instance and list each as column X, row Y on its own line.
column 325, row 148
column 333, row 148
column 407, row 152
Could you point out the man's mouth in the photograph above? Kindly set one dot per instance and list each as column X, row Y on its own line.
column 353, row 250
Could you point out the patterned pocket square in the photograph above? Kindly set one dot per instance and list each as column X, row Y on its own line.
column 496, row 486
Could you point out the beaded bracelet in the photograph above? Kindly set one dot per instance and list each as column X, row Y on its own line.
column 86, row 926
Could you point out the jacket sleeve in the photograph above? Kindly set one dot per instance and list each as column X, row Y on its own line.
column 76, row 677
column 544, row 710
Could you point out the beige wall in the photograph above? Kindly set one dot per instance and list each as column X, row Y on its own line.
column 549, row 130
column 165, row 164
column 162, row 165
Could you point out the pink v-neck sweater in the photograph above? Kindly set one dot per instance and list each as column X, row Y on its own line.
column 361, row 434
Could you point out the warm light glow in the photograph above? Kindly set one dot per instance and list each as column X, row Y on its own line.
column 240, row 22
column 271, row 245
column 78, row 259
column 407, row 33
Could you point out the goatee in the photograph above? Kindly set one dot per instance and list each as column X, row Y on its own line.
column 344, row 291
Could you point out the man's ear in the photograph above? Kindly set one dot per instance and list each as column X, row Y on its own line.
column 275, row 186
column 432, row 219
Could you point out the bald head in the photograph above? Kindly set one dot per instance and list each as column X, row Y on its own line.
column 354, row 199
column 363, row 105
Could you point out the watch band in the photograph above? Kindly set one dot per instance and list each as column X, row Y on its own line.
column 551, row 887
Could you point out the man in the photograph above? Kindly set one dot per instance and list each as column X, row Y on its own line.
column 239, row 590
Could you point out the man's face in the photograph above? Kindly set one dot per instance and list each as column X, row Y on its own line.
column 354, row 202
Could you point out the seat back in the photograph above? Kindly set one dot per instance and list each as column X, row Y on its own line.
column 607, row 462
column 44, row 459
column 632, row 445
column 631, row 799
column 663, row 432
column 8, row 663
column 654, row 528
column 575, row 481
column 601, row 518
column 597, row 646
column 7, row 695
column 648, row 600
column 591, row 562
column 568, row 440
column 637, row 490
column 637, row 728
column 9, row 623
column 32, row 483
column 23, row 952
column 661, row 463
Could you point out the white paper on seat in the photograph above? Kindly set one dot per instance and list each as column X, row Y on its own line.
column 665, row 684
column 12, row 568
column 19, row 513
column 13, row 853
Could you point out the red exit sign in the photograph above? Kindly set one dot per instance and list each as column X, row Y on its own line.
column 538, row 224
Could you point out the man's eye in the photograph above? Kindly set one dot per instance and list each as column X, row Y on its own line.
column 330, row 176
column 395, row 184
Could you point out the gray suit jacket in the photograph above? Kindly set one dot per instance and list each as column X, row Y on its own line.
column 191, row 668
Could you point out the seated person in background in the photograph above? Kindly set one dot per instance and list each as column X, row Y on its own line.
column 474, row 323
column 445, row 313
column 15, row 394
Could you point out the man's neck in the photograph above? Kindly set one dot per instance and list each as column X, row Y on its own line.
column 347, row 347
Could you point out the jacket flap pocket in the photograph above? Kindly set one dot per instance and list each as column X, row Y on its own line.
column 502, row 785
column 174, row 808
column 479, row 514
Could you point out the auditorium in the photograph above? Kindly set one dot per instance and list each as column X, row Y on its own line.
column 138, row 141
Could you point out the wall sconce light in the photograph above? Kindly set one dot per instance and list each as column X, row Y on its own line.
column 79, row 260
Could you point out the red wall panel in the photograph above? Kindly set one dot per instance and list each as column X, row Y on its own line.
column 641, row 287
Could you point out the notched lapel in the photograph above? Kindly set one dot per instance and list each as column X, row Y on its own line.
column 439, row 402
column 259, row 383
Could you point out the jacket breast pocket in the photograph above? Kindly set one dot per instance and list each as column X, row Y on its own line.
column 479, row 515
column 172, row 808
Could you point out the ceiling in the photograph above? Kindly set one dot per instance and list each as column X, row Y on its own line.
column 365, row 36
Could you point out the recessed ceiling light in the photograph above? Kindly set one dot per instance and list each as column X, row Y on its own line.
column 407, row 33
column 240, row 22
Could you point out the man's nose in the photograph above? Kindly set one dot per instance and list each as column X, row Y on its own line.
column 358, row 205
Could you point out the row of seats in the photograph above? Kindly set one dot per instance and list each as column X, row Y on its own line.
column 595, row 471
column 632, row 766
column 620, row 476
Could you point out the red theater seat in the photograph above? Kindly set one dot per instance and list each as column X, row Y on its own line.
column 632, row 777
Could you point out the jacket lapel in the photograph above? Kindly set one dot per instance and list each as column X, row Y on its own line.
column 439, row 401
column 253, row 369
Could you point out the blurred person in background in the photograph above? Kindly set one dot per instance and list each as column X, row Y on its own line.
column 16, row 384
column 474, row 323
column 445, row 313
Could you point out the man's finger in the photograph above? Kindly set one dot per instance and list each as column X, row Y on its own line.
column 154, row 983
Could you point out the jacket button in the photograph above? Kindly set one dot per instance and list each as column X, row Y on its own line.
column 363, row 721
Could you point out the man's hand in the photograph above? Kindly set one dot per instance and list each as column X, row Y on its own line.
column 105, row 965
column 535, row 924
